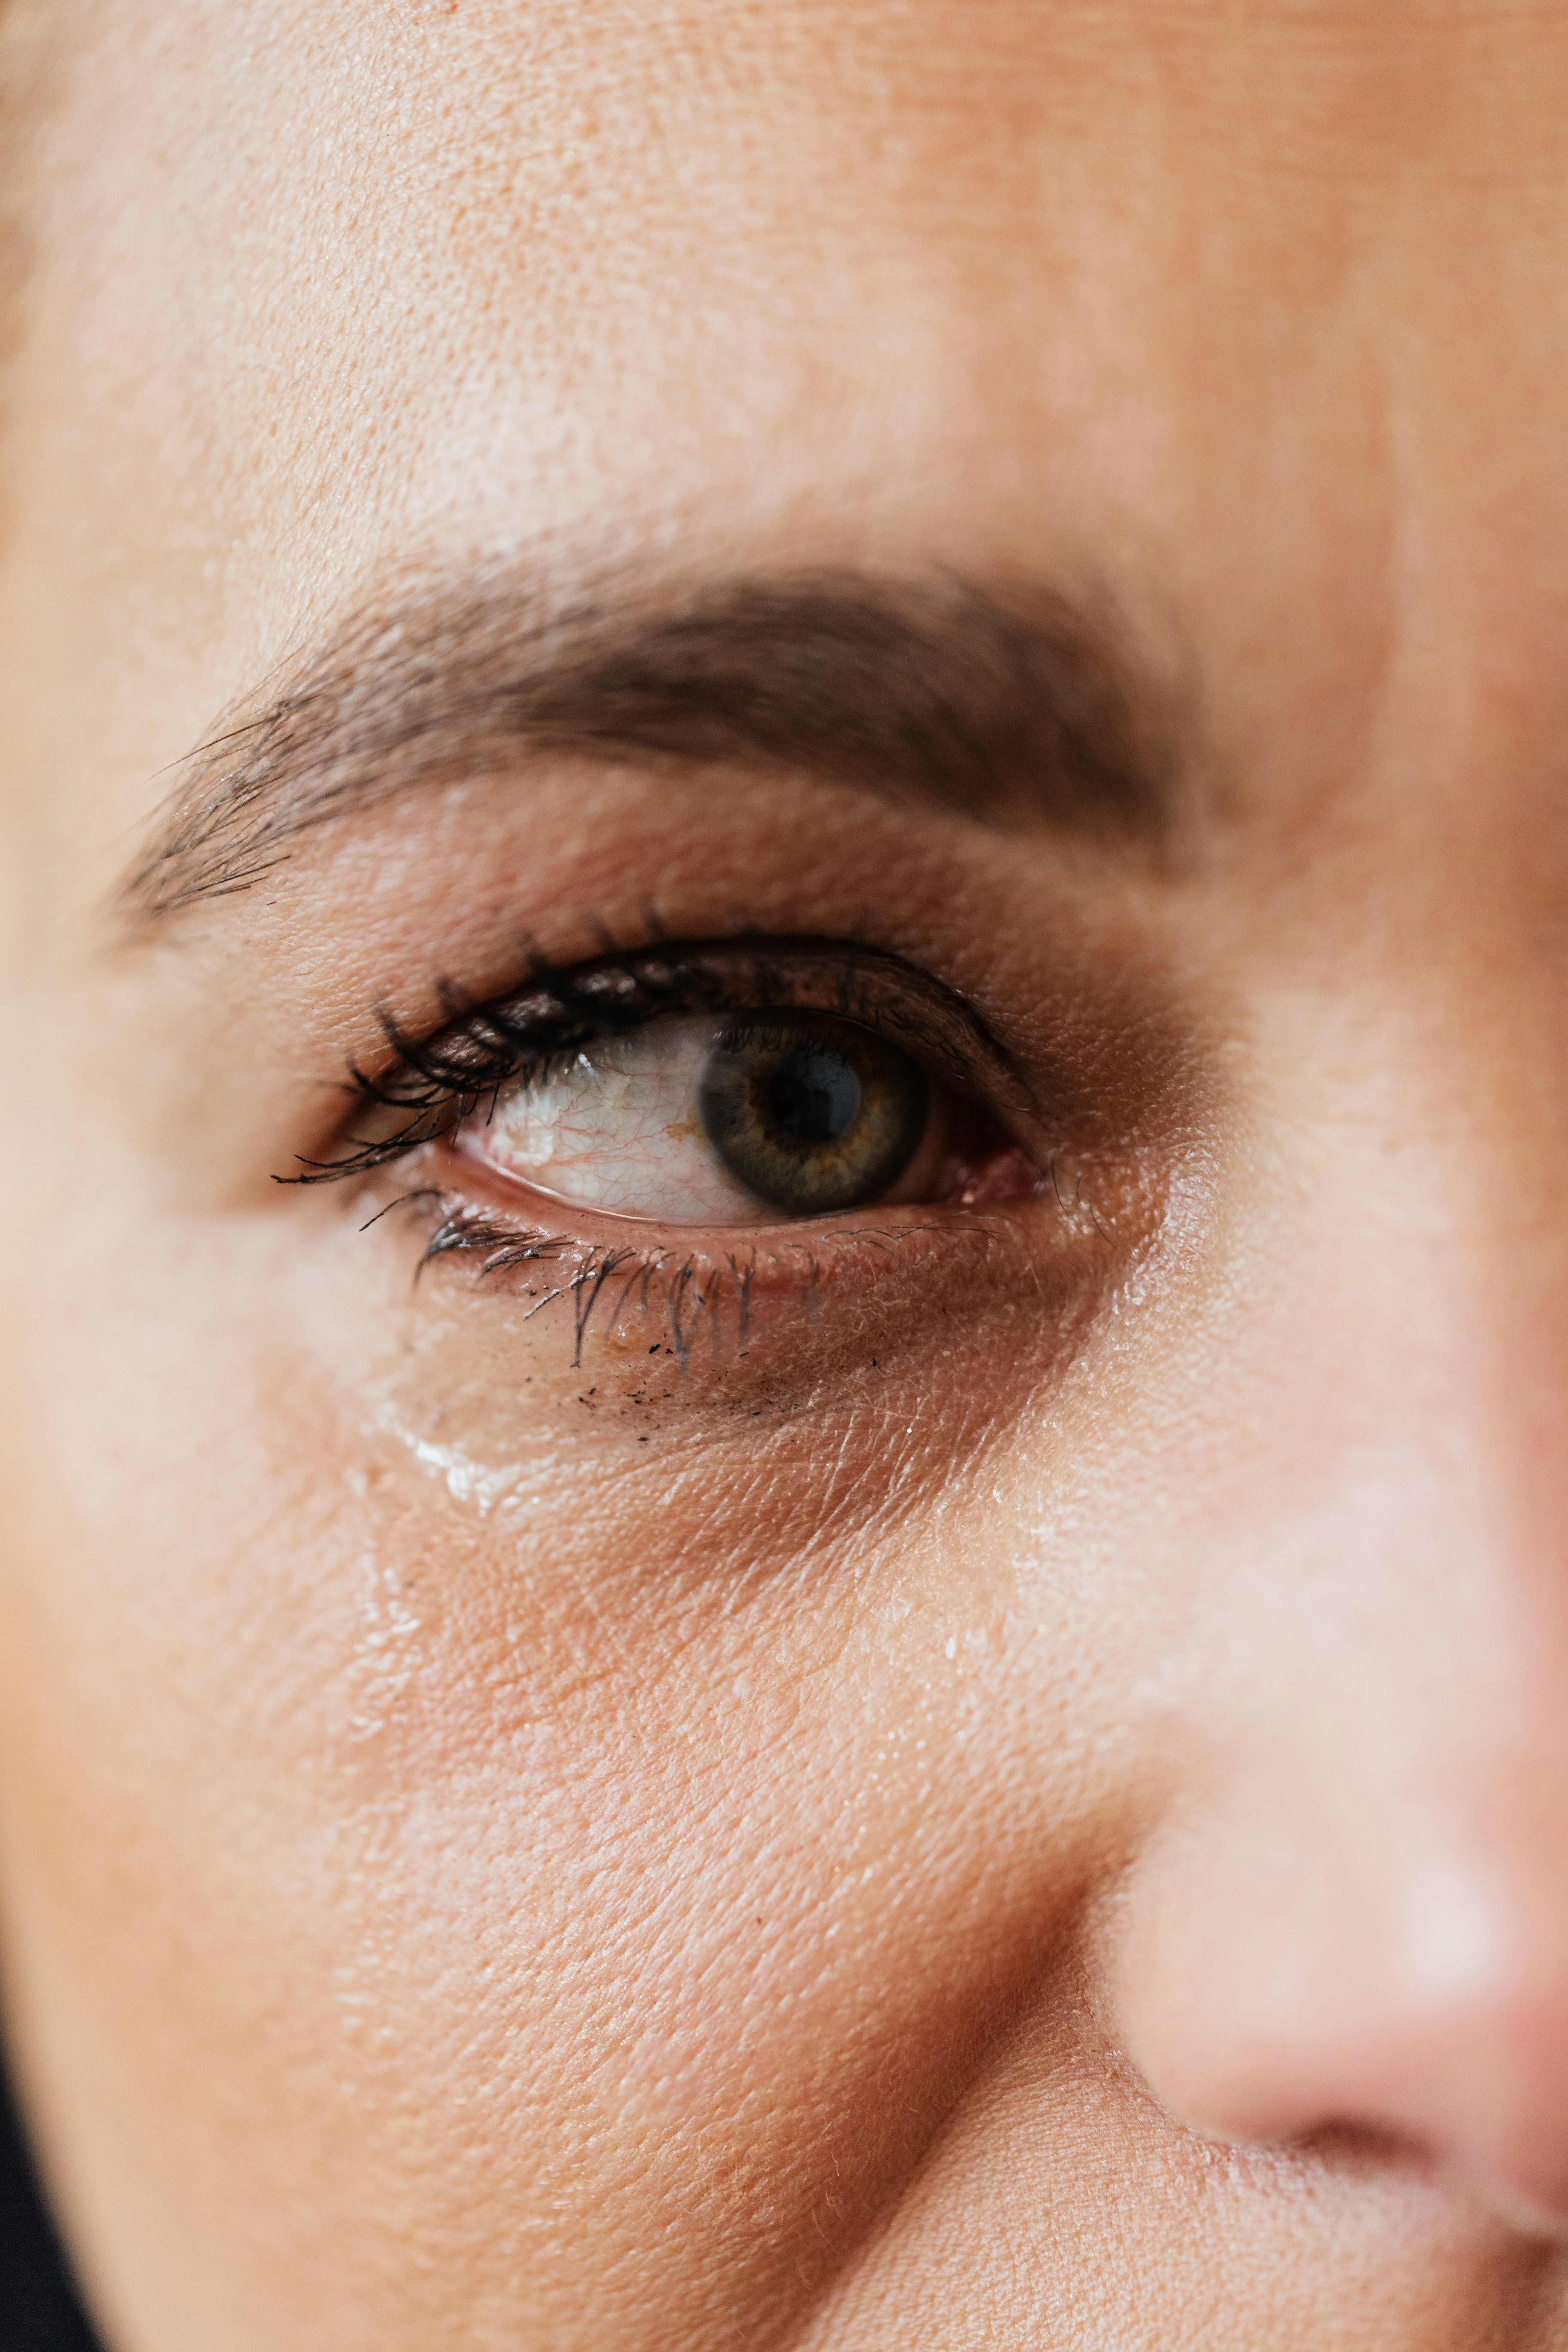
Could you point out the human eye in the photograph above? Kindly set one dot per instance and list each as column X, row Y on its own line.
column 710, row 1087
column 741, row 1120
column 779, row 1165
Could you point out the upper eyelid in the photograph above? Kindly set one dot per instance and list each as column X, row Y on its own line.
column 859, row 983
column 439, row 1083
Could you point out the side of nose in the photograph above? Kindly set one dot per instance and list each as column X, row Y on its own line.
column 1290, row 1974
column 1352, row 1915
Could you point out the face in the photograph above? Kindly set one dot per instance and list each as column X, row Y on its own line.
column 784, row 1288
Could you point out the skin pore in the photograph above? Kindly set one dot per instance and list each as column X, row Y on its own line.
column 983, row 1769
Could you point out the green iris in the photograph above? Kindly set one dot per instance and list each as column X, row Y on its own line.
column 810, row 1113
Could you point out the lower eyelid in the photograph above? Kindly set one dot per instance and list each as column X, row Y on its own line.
column 724, row 1280
column 651, row 1325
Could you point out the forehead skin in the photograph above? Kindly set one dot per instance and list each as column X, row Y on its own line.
column 1253, row 319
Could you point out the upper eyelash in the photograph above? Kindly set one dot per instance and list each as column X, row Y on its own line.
column 482, row 1048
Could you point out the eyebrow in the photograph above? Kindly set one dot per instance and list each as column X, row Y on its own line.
column 1014, row 707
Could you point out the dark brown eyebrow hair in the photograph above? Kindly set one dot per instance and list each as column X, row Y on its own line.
column 1011, row 706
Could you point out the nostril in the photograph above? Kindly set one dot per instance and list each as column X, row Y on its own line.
column 1370, row 2152
column 1375, row 2152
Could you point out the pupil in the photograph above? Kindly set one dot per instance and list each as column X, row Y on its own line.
column 814, row 1096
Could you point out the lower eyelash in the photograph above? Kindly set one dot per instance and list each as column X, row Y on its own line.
column 689, row 1291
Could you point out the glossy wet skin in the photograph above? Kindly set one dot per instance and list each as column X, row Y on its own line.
column 1029, row 1804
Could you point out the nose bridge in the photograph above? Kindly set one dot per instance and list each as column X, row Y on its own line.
column 1404, row 1599
column 1404, row 1519
column 1404, row 1363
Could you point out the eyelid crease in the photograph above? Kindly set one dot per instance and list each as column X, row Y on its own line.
column 443, row 1079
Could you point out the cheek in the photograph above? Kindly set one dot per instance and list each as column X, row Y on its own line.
column 440, row 1810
